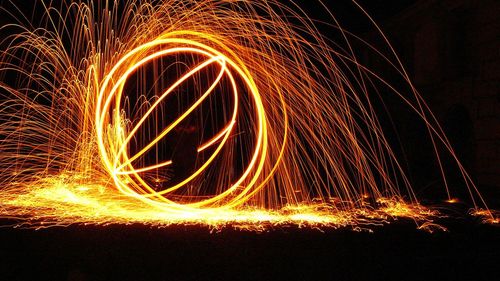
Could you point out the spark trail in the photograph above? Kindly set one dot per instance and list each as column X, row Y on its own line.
column 208, row 112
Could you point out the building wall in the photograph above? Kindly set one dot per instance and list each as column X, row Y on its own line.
column 451, row 49
column 484, row 36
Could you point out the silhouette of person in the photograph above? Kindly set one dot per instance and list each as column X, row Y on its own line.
column 185, row 152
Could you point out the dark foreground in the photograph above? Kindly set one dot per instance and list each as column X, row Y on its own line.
column 468, row 251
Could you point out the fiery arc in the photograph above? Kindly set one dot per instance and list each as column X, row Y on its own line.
column 299, row 142
column 114, row 152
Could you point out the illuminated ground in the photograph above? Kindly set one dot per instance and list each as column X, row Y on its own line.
column 469, row 251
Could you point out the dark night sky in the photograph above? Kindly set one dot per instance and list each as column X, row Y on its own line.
column 469, row 251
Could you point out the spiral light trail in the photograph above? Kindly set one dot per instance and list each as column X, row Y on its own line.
column 215, row 112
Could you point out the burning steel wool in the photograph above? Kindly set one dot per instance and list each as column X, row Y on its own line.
column 219, row 113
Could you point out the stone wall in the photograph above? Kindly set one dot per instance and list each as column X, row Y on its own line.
column 452, row 52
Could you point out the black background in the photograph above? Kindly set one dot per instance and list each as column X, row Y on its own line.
column 468, row 251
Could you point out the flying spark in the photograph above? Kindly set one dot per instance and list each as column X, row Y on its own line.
column 224, row 112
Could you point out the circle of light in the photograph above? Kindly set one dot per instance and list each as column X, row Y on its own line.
column 112, row 140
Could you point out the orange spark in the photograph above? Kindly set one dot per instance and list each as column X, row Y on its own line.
column 286, row 131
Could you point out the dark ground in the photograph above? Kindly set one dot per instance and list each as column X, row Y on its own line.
column 468, row 251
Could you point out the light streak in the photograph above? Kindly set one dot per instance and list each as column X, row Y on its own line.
column 294, row 140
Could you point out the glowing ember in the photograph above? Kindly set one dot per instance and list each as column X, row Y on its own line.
column 197, row 112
